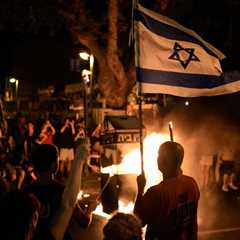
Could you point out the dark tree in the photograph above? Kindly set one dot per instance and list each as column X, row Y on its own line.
column 103, row 27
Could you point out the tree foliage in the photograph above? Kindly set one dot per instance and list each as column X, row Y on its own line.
column 103, row 27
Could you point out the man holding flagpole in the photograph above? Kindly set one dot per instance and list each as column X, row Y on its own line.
column 172, row 59
column 169, row 209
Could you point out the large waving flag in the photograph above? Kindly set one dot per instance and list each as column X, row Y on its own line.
column 172, row 59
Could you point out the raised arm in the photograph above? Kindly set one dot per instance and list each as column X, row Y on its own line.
column 52, row 128
column 64, row 126
column 141, row 182
column 72, row 127
column 42, row 139
column 81, row 133
column 69, row 198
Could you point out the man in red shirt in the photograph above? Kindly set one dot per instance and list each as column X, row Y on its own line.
column 169, row 209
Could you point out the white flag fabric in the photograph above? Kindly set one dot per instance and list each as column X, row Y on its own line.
column 172, row 59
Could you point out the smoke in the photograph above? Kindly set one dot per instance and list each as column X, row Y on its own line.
column 202, row 130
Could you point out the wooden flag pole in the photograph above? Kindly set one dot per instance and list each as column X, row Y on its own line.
column 141, row 133
column 135, row 35
column 170, row 127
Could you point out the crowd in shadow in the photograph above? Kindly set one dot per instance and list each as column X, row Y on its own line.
column 41, row 176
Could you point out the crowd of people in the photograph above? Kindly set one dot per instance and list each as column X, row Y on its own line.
column 34, row 204
column 20, row 138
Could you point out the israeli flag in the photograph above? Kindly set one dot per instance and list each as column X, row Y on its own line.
column 172, row 59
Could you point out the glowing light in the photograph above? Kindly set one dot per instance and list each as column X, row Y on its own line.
column 125, row 207
column 86, row 195
column 187, row 103
column 80, row 194
column 122, row 207
column 131, row 163
column 12, row 80
column 99, row 211
column 84, row 55
column 85, row 74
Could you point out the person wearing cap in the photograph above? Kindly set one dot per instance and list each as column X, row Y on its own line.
column 169, row 209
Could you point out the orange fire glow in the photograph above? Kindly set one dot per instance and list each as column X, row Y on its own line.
column 123, row 207
column 131, row 164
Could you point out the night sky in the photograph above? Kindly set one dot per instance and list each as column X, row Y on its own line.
column 42, row 59
column 38, row 61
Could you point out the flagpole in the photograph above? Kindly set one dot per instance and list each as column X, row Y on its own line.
column 139, row 87
column 141, row 128
column 131, row 34
column 170, row 127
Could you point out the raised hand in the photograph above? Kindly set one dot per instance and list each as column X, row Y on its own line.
column 141, row 182
column 83, row 150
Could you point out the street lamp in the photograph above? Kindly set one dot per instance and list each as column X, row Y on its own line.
column 84, row 55
column 15, row 81
column 87, row 76
column 12, row 80
column 88, row 57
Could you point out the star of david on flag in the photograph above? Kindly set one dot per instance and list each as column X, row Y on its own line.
column 178, row 49
column 172, row 59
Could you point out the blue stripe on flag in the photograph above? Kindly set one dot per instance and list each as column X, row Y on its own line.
column 181, row 79
column 168, row 31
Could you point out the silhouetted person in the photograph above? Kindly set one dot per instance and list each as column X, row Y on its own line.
column 47, row 134
column 206, row 163
column 123, row 226
column 46, row 188
column 66, row 153
column 169, row 209
column 227, row 158
column 19, row 216
column 30, row 141
column 58, row 203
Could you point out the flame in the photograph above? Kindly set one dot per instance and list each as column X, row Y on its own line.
column 79, row 196
column 82, row 195
column 131, row 163
column 99, row 211
column 123, row 207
